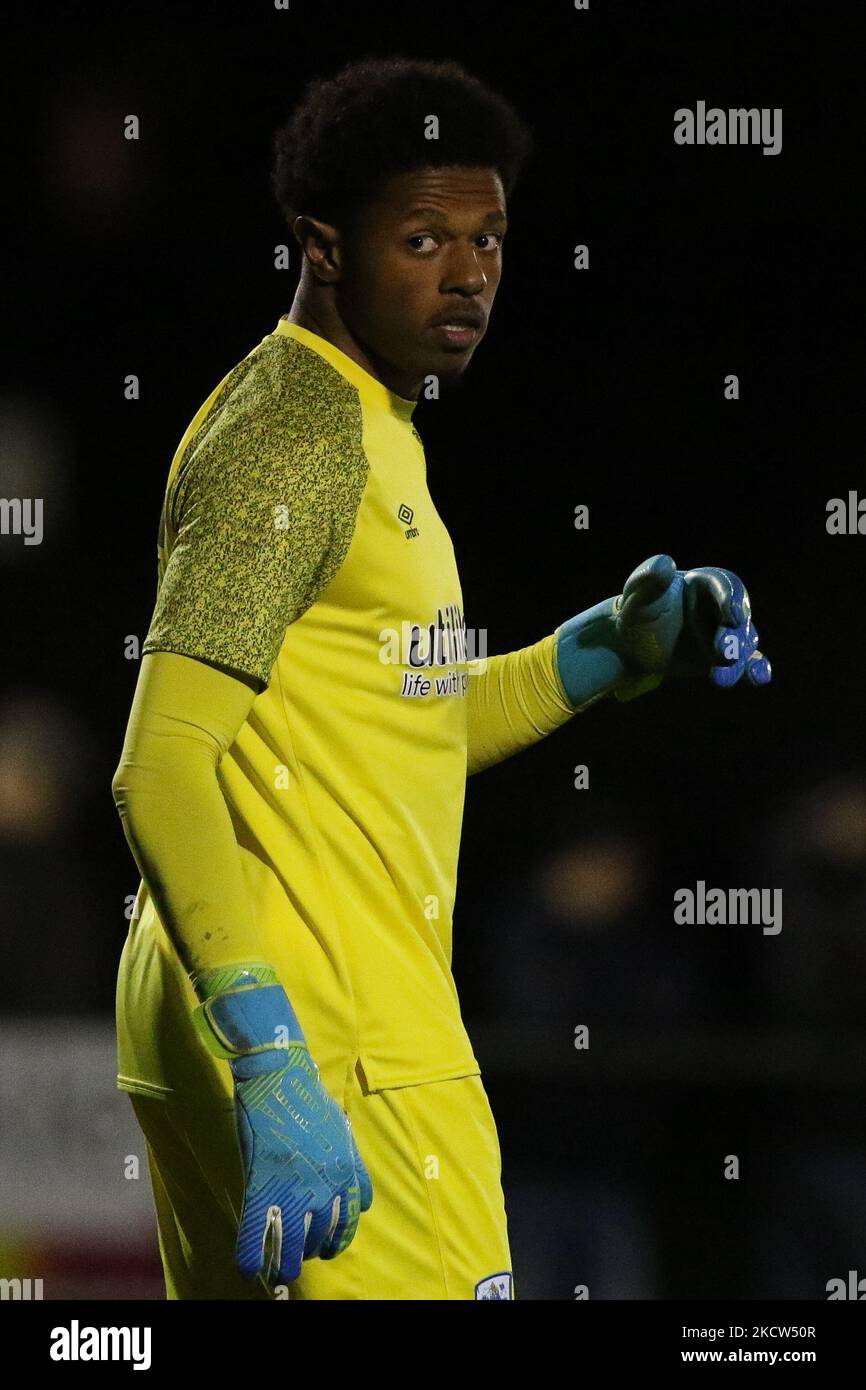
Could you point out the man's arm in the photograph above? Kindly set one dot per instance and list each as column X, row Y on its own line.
column 262, row 523
column 666, row 623
column 514, row 700
column 185, row 715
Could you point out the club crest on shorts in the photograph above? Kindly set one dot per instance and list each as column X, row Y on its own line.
column 494, row 1286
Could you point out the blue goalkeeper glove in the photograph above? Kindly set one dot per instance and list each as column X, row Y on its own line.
column 305, row 1183
column 665, row 623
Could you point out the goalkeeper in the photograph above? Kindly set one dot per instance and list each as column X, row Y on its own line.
column 292, row 788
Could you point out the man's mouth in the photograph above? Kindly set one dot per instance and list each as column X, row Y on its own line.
column 461, row 332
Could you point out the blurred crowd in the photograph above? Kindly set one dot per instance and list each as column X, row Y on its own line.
column 701, row 1032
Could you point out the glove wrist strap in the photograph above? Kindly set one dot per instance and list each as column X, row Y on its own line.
column 244, row 1011
column 589, row 661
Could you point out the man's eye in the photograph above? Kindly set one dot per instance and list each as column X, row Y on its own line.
column 496, row 237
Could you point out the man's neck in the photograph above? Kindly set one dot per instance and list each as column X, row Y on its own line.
column 324, row 320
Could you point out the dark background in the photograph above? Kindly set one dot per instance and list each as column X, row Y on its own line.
column 602, row 387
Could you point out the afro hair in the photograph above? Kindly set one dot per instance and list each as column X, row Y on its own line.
column 352, row 132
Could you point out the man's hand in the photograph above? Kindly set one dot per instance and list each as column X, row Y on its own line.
column 696, row 622
column 305, row 1183
column 665, row 623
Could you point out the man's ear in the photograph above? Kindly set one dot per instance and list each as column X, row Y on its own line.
column 320, row 243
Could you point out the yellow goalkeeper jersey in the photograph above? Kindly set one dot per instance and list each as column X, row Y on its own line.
column 299, row 544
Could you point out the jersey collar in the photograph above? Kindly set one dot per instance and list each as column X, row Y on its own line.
column 372, row 391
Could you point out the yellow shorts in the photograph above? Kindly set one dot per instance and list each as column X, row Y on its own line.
column 436, row 1228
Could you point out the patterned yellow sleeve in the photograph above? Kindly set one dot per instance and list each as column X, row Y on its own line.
column 259, row 514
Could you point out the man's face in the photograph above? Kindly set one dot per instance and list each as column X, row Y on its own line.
column 427, row 253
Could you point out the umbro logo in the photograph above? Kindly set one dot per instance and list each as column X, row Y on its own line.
column 405, row 514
